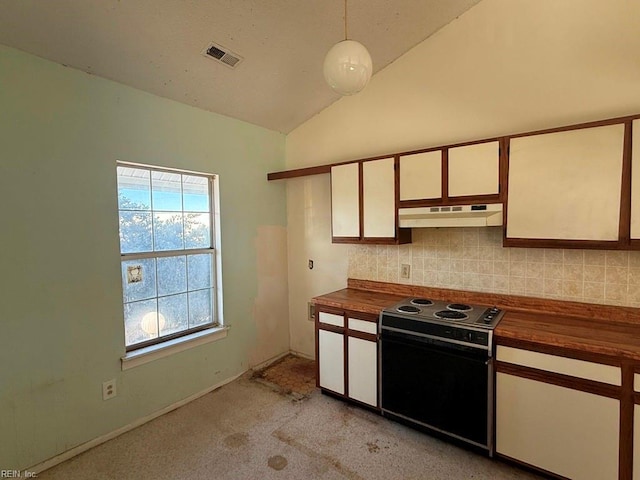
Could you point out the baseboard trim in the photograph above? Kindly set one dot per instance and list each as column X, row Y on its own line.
column 53, row 461
column 266, row 363
column 302, row 355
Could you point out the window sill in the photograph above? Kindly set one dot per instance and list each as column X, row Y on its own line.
column 154, row 352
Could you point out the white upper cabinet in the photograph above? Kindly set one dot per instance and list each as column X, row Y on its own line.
column 566, row 185
column 379, row 205
column 345, row 200
column 421, row 176
column 635, row 181
column 474, row 169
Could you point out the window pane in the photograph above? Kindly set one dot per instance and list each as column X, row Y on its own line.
column 197, row 230
column 172, row 275
column 134, row 189
column 140, row 321
column 167, row 191
column 135, row 232
column 167, row 231
column 200, row 271
column 200, row 308
column 195, row 193
column 173, row 314
column 138, row 279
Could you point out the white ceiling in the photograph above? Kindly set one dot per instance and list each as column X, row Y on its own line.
column 156, row 46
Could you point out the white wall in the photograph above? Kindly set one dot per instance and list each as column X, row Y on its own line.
column 503, row 67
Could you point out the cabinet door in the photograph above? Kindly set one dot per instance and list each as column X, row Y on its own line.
column 635, row 181
column 331, row 361
column 421, row 176
column 566, row 185
column 363, row 370
column 345, row 200
column 474, row 170
column 379, row 198
column 567, row 432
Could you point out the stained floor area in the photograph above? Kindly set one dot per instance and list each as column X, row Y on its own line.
column 291, row 374
column 248, row 430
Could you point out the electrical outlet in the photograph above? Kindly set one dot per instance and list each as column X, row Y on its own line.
column 312, row 312
column 109, row 389
column 405, row 272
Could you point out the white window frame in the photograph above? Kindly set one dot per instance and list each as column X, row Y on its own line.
column 144, row 352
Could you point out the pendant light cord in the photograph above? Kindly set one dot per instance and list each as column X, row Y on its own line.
column 345, row 20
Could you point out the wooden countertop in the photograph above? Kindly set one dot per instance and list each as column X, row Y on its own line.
column 364, row 301
column 598, row 336
column 602, row 329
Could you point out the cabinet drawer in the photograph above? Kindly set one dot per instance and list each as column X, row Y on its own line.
column 565, row 366
column 331, row 319
column 363, row 326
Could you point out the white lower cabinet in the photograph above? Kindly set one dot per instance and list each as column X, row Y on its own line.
column 564, row 431
column 331, row 361
column 362, row 363
column 348, row 368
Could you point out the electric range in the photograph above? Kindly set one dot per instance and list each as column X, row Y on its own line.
column 436, row 368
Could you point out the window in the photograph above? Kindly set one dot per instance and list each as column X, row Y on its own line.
column 168, row 255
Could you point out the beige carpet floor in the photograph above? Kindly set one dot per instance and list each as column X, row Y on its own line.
column 250, row 430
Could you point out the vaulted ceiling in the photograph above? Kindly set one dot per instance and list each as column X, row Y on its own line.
column 157, row 46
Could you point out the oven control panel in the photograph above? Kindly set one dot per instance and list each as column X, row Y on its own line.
column 436, row 331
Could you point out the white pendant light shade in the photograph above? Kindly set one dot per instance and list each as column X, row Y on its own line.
column 347, row 67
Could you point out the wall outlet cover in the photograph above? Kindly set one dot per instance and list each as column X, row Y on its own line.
column 405, row 271
column 109, row 389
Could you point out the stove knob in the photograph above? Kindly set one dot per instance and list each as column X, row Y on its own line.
column 494, row 310
column 488, row 318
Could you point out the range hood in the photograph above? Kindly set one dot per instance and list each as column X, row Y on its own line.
column 451, row 216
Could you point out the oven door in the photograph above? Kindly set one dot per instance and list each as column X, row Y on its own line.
column 439, row 385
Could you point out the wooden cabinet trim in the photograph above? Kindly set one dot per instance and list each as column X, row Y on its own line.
column 360, row 198
column 625, row 460
column 328, row 309
column 553, row 243
column 326, row 168
column 367, row 317
column 560, row 380
column 466, row 200
column 624, row 233
column 331, row 328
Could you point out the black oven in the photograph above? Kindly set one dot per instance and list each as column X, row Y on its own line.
column 438, row 376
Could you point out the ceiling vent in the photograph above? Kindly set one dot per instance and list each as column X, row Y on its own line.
column 222, row 55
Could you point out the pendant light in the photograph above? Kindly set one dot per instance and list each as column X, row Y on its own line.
column 347, row 66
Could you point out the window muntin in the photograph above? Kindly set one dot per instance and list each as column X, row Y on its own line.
column 167, row 253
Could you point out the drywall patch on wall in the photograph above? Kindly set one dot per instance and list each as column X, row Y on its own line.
column 309, row 220
column 270, row 308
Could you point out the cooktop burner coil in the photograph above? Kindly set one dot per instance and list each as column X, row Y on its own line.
column 451, row 315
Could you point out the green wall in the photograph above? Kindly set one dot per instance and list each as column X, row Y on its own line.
column 61, row 330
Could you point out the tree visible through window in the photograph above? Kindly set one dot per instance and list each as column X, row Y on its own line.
column 167, row 253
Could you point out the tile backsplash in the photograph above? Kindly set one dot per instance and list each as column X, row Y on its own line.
column 474, row 259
